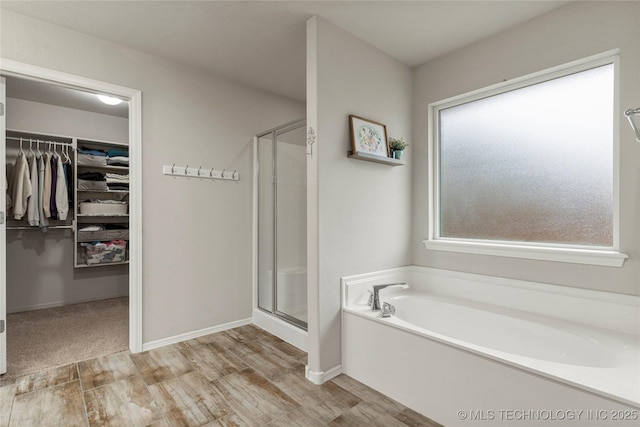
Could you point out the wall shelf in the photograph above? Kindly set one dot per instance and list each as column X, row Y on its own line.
column 376, row 159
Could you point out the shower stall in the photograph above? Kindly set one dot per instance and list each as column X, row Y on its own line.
column 281, row 259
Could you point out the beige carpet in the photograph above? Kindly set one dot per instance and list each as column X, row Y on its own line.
column 41, row 339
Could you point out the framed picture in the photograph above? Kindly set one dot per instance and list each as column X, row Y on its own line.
column 368, row 137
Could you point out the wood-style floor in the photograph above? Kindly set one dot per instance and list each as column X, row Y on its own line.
column 240, row 377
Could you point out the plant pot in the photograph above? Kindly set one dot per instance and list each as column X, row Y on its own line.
column 397, row 154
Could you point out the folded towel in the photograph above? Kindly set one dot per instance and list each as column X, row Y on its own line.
column 114, row 178
column 91, row 176
column 92, row 228
column 118, row 161
column 120, row 176
column 118, row 153
column 85, row 150
column 116, row 182
column 118, row 187
column 109, row 201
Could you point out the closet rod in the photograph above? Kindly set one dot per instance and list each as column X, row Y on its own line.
column 44, row 141
column 54, row 227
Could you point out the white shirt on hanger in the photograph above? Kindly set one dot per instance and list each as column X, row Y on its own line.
column 21, row 187
column 33, row 214
column 62, row 197
column 46, row 194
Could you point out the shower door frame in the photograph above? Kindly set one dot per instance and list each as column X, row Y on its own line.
column 274, row 165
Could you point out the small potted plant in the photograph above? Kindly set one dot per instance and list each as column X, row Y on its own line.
column 397, row 146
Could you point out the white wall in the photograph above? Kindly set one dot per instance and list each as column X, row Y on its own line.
column 359, row 213
column 40, row 270
column 196, row 234
column 573, row 32
column 54, row 120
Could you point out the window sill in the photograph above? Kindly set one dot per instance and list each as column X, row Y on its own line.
column 602, row 257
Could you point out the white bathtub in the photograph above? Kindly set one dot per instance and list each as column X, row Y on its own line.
column 483, row 358
column 510, row 334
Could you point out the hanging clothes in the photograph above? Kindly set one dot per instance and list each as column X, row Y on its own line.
column 46, row 194
column 54, row 181
column 68, row 176
column 33, row 213
column 44, row 222
column 8, row 197
column 21, row 186
column 61, row 195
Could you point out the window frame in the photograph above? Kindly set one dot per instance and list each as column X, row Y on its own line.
column 593, row 255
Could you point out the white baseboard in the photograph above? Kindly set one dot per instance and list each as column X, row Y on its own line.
column 283, row 330
column 322, row 377
column 194, row 334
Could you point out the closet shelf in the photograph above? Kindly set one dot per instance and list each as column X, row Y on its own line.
column 105, row 167
column 88, row 254
column 87, row 240
column 102, row 264
column 104, row 191
column 102, row 215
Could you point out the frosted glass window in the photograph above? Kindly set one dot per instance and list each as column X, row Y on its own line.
column 534, row 164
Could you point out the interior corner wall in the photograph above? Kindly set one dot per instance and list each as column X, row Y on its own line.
column 573, row 32
column 40, row 271
column 196, row 234
column 363, row 212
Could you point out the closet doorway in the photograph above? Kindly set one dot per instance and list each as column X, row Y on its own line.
column 82, row 270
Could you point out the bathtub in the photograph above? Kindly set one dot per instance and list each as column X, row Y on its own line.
column 465, row 349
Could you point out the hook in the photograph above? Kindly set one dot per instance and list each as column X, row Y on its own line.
column 222, row 174
column 630, row 116
column 233, row 176
column 173, row 166
column 199, row 170
column 186, row 170
column 211, row 173
column 21, row 152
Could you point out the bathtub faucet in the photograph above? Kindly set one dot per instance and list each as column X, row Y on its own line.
column 387, row 310
column 375, row 297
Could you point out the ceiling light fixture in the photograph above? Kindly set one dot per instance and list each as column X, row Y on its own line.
column 109, row 100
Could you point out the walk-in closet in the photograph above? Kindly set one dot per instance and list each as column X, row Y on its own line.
column 67, row 225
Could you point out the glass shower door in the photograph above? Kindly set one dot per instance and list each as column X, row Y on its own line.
column 291, row 224
column 282, row 223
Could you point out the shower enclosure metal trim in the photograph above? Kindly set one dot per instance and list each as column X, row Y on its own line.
column 273, row 133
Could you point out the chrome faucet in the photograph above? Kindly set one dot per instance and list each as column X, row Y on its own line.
column 387, row 310
column 374, row 301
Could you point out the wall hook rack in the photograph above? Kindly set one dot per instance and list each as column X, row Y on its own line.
column 188, row 172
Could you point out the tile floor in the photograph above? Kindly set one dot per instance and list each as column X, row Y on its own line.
column 240, row 377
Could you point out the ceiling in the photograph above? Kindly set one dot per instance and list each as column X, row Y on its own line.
column 262, row 44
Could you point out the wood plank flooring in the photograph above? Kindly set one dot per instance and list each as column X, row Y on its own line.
column 240, row 377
